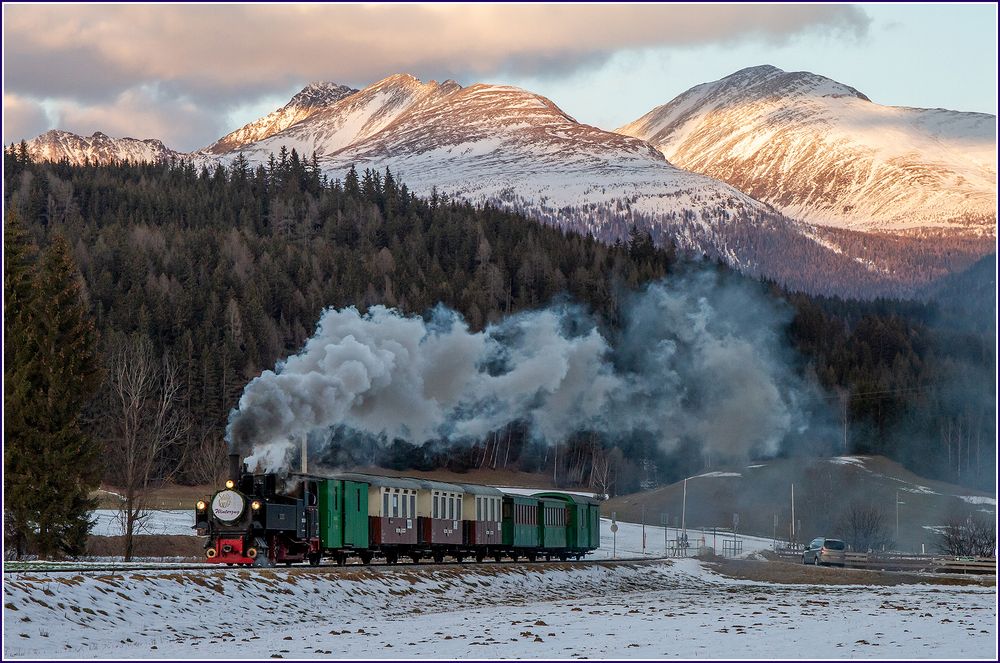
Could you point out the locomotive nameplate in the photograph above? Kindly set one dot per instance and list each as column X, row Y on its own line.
column 228, row 505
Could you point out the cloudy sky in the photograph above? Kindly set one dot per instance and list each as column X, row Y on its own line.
column 188, row 74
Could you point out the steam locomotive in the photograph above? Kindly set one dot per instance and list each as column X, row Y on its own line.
column 266, row 519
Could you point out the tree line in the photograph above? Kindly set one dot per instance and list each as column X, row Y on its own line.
column 194, row 280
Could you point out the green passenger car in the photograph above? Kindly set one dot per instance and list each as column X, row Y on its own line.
column 552, row 523
column 343, row 514
column 583, row 520
column 520, row 522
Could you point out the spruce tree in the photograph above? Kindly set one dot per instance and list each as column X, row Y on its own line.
column 53, row 465
column 18, row 281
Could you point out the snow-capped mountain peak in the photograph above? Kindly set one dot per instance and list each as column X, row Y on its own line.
column 57, row 145
column 823, row 152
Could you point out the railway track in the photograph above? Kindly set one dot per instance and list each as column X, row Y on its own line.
column 117, row 569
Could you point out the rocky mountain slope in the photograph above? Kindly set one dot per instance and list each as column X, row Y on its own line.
column 313, row 98
column 824, row 153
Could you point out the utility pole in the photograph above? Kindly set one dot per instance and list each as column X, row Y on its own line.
column 793, row 514
column 897, row 518
column 305, row 464
column 684, row 535
column 664, row 520
column 846, row 399
column 643, row 529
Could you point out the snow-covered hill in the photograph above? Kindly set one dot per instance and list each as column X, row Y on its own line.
column 824, row 153
column 504, row 144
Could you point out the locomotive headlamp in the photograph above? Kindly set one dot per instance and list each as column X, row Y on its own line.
column 229, row 483
column 211, row 553
column 255, row 505
column 200, row 505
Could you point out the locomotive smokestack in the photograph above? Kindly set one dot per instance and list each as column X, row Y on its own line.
column 234, row 467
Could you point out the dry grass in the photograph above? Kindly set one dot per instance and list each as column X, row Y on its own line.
column 149, row 545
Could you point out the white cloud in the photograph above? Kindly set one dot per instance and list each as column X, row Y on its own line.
column 22, row 118
column 214, row 59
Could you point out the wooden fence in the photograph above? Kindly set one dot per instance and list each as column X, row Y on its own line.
column 898, row 562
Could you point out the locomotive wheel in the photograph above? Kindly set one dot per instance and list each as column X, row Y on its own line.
column 314, row 559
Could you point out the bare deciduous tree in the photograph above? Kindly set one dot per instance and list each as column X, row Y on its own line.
column 602, row 470
column 865, row 527
column 208, row 462
column 974, row 536
column 144, row 392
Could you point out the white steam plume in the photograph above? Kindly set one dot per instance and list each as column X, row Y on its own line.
column 696, row 359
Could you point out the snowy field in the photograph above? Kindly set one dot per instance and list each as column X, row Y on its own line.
column 664, row 609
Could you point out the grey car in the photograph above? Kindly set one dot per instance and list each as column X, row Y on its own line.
column 825, row 551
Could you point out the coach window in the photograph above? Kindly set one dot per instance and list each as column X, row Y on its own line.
column 434, row 511
column 385, row 504
column 459, row 508
column 395, row 506
column 413, row 506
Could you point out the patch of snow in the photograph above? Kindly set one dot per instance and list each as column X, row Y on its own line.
column 846, row 460
column 108, row 523
column 717, row 474
column 920, row 490
column 977, row 499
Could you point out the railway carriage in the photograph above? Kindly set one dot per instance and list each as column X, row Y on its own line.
column 440, row 506
column 552, row 524
column 583, row 517
column 390, row 510
column 482, row 521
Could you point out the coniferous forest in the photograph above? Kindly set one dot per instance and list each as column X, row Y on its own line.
column 216, row 274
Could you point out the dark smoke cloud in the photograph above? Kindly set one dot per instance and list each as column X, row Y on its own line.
column 697, row 359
